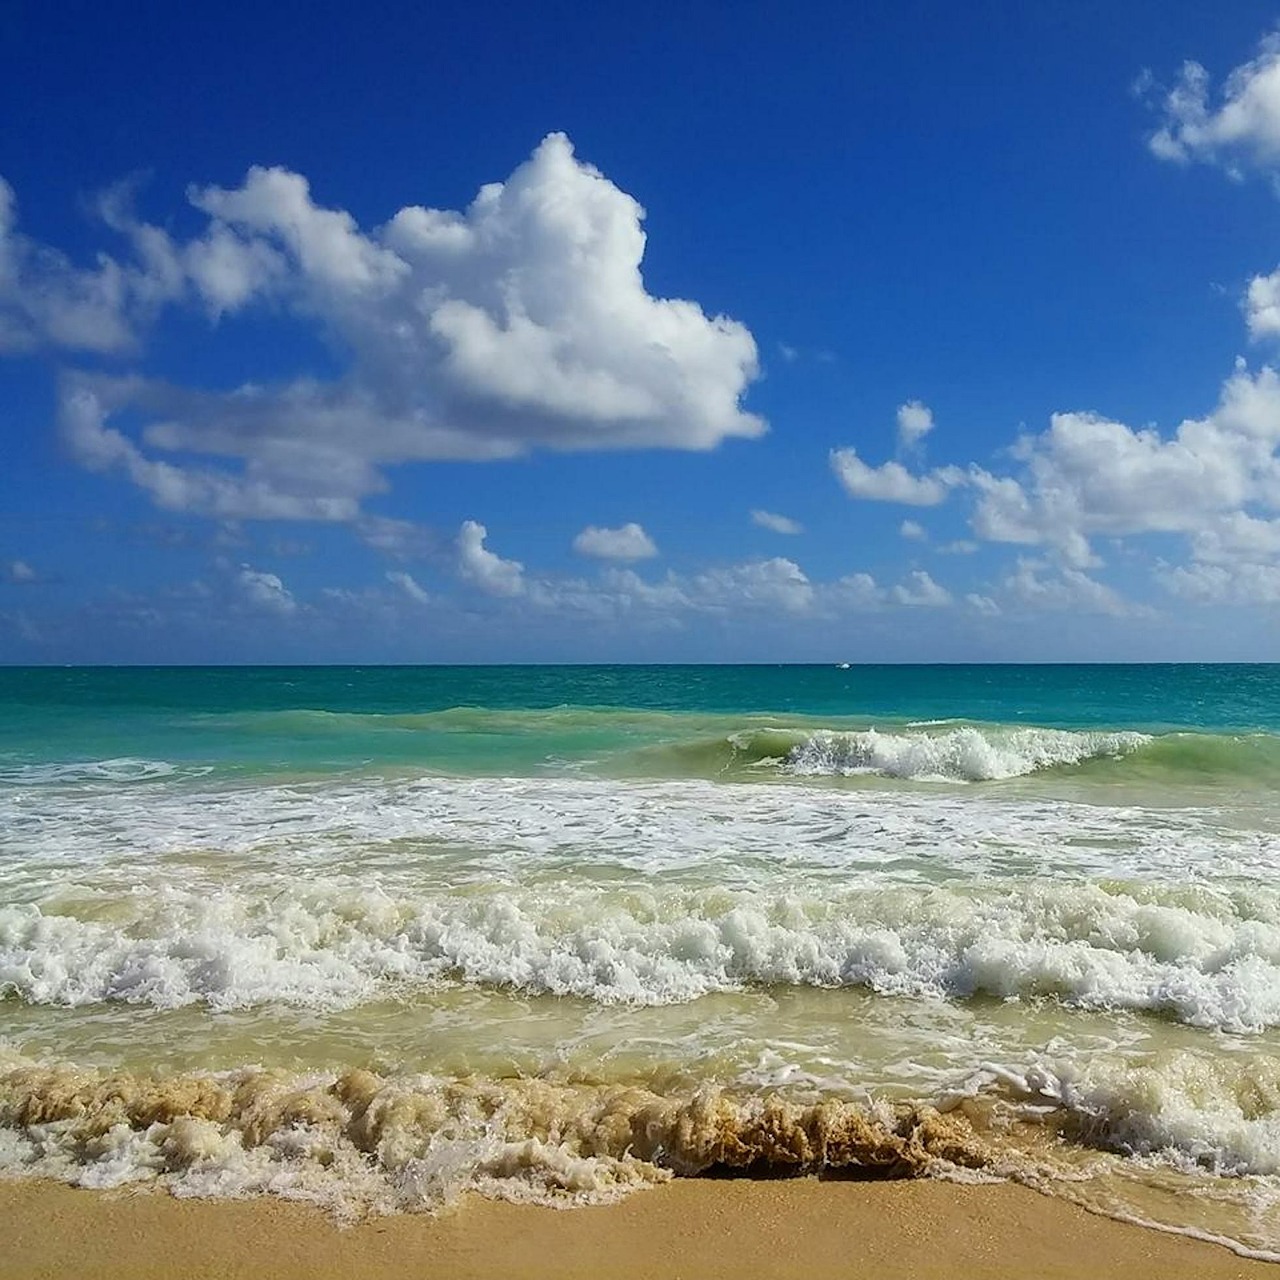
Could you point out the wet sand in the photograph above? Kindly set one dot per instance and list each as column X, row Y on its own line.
column 703, row 1229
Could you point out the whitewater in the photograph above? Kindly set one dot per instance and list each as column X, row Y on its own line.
column 373, row 938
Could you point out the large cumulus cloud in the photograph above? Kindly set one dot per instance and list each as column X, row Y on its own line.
column 520, row 323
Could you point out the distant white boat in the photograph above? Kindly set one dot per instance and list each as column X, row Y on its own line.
column 844, row 666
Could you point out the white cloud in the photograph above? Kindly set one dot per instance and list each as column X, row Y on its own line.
column 1215, row 480
column 263, row 491
column 1070, row 589
column 629, row 591
column 920, row 591
column 1242, row 130
column 771, row 584
column 775, row 595
column 399, row 539
column 1088, row 475
column 1006, row 513
column 629, row 542
column 520, row 323
column 1239, row 133
column 913, row 531
column 47, row 301
column 1241, row 583
column 892, row 482
column 915, row 421
column 1237, row 537
column 264, row 591
column 778, row 524
column 324, row 248
column 856, row 591
column 17, row 573
column 488, row 571
column 1262, row 306
column 226, row 271
column 408, row 584
column 730, row 593
column 982, row 604
column 776, row 585
column 762, row 591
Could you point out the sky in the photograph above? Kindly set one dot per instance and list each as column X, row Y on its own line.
column 697, row 332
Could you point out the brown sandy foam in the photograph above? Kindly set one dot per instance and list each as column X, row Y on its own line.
column 689, row 1228
column 360, row 1141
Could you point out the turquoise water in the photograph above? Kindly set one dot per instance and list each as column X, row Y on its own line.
column 1202, row 696
column 543, row 912
column 301, row 718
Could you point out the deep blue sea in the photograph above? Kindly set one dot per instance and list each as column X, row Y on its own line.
column 374, row 936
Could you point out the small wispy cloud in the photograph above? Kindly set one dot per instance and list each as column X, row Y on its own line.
column 776, row 523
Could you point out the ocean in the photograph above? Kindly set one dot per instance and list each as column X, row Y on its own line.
column 375, row 937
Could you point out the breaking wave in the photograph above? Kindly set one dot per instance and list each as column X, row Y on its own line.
column 1209, row 958
column 358, row 1142
column 1198, row 1113
column 620, row 742
column 1197, row 1141
column 969, row 753
column 966, row 754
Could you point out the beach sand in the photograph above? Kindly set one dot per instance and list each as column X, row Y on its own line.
column 689, row 1228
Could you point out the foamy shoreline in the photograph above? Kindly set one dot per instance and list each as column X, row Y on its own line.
column 703, row 1228
column 354, row 947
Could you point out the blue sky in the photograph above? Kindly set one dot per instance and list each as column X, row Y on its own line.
column 699, row 332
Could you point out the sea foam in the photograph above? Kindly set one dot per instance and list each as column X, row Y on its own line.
column 643, row 893
column 1197, row 1111
column 112, row 772
column 966, row 754
column 333, row 944
column 359, row 1142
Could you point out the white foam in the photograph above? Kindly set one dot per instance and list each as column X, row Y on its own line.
column 492, row 827
column 1194, row 1137
column 967, row 754
column 326, row 896
column 122, row 769
column 1196, row 1111
column 331, row 943
column 360, row 1141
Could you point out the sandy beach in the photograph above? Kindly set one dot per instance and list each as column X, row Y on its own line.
column 690, row 1228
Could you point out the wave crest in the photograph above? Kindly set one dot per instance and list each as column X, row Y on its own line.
column 966, row 754
column 360, row 1141
column 1194, row 1111
column 930, row 752
column 1204, row 957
